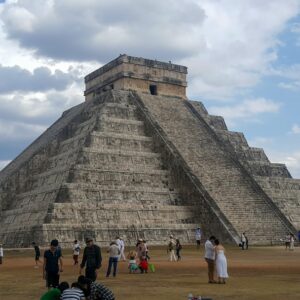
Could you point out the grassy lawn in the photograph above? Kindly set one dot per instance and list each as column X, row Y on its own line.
column 267, row 273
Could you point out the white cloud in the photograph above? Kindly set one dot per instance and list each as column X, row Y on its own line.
column 248, row 110
column 296, row 129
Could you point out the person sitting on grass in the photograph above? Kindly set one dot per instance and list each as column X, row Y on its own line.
column 94, row 290
column 143, row 265
column 55, row 293
column 73, row 293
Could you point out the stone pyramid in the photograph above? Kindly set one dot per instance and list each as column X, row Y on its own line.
column 138, row 159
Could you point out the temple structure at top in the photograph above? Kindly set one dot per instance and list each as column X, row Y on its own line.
column 138, row 74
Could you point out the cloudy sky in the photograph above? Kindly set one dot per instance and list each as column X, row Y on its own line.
column 243, row 58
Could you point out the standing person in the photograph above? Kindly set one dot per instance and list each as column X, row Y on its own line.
column 122, row 249
column 287, row 241
column 178, row 249
column 171, row 249
column 210, row 258
column 146, row 250
column 243, row 240
column 92, row 259
column 94, row 290
column 37, row 254
column 198, row 237
column 51, row 270
column 76, row 251
column 1, row 254
column 221, row 262
column 140, row 249
column 114, row 254
column 292, row 242
column 299, row 236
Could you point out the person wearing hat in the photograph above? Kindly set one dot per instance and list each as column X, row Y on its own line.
column 91, row 259
column 51, row 270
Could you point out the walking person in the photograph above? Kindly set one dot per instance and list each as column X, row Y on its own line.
column 178, row 249
column 171, row 249
column 210, row 258
column 122, row 249
column 292, row 242
column 287, row 241
column 91, row 259
column 1, row 254
column 53, row 265
column 114, row 254
column 243, row 240
column 198, row 234
column 37, row 253
column 221, row 262
column 76, row 251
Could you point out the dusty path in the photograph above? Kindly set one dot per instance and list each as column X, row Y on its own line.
column 259, row 273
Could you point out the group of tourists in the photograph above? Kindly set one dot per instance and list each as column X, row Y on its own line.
column 174, row 248
column 290, row 241
column 216, row 259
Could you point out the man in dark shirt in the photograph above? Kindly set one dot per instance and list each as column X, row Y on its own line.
column 51, row 270
column 37, row 254
column 91, row 259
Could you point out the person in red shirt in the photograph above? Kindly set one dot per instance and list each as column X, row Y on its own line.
column 143, row 265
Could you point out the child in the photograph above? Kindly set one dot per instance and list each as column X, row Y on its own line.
column 132, row 266
column 143, row 265
column 76, row 250
column 37, row 254
column 178, row 249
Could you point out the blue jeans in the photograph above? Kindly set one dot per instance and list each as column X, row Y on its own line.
column 113, row 261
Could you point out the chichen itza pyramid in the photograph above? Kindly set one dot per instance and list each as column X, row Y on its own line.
column 138, row 159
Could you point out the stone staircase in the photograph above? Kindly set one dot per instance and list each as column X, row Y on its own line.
column 242, row 201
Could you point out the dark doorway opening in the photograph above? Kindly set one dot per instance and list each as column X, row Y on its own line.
column 153, row 89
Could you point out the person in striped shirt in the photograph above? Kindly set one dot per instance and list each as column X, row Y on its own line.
column 73, row 293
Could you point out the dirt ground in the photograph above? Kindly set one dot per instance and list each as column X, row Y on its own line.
column 259, row 273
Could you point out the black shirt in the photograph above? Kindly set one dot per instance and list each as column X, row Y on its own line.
column 37, row 250
column 91, row 257
column 52, row 261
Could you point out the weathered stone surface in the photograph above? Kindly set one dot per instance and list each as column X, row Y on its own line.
column 138, row 165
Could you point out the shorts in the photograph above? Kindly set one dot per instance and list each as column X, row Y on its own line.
column 52, row 279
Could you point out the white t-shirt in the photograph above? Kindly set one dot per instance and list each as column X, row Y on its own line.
column 76, row 249
column 1, row 252
column 122, row 245
column 209, row 250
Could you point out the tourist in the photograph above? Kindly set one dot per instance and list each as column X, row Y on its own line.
column 146, row 249
column 132, row 266
column 143, row 265
column 287, row 241
column 221, row 262
column 292, row 242
column 91, row 259
column 171, row 249
column 198, row 237
column 140, row 249
column 1, row 254
column 37, row 254
column 243, row 240
column 76, row 251
column 210, row 258
column 114, row 253
column 55, row 293
column 178, row 249
column 73, row 293
column 299, row 236
column 122, row 249
column 94, row 290
column 51, row 270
